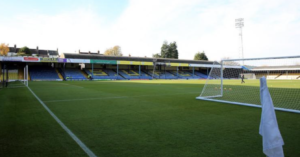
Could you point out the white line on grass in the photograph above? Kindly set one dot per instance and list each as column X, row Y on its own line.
column 117, row 97
column 71, row 85
column 64, row 84
column 75, row 138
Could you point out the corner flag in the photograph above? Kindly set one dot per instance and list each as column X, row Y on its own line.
column 268, row 129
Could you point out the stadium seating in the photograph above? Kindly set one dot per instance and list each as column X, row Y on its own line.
column 12, row 75
column 160, row 74
column 43, row 73
column 99, row 74
column 294, row 75
column 260, row 75
column 49, row 73
column 186, row 74
column 145, row 75
column 200, row 75
column 279, row 76
column 73, row 74
column 134, row 74
column 169, row 75
column 150, row 73
column 289, row 76
column 273, row 76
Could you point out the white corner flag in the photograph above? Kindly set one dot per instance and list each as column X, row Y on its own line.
column 268, row 129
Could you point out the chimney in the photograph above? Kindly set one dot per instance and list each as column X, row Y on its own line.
column 89, row 52
column 79, row 51
column 15, row 46
column 37, row 50
column 98, row 51
column 129, row 55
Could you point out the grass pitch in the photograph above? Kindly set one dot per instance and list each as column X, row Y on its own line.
column 132, row 118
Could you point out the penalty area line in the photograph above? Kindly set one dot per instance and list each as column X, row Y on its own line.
column 71, row 134
column 116, row 97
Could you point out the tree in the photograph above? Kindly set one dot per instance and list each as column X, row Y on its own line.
column 157, row 55
column 164, row 50
column 169, row 50
column 4, row 49
column 114, row 51
column 200, row 56
column 24, row 51
column 173, row 50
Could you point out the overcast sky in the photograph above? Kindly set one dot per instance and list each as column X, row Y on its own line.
column 272, row 27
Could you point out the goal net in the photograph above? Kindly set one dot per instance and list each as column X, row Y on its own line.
column 236, row 81
column 13, row 77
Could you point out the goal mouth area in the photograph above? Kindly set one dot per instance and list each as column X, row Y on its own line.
column 243, row 104
column 236, row 81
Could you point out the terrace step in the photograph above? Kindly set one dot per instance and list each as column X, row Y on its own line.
column 84, row 74
column 277, row 76
column 59, row 74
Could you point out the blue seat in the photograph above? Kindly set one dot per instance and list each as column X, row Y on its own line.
column 200, row 75
column 73, row 74
column 104, row 74
column 134, row 74
column 43, row 73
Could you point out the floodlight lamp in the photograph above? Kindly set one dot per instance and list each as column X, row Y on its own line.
column 239, row 23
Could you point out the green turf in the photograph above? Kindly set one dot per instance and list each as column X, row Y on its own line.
column 285, row 93
column 132, row 118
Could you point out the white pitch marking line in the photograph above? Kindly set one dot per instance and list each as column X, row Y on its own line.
column 73, row 136
column 87, row 99
column 64, row 84
column 71, row 85
column 119, row 97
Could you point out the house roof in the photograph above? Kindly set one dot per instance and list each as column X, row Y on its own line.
column 43, row 52
column 33, row 51
column 53, row 52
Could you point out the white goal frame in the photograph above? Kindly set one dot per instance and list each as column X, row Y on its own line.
column 23, row 82
column 221, row 66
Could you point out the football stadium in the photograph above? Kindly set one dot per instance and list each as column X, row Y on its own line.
column 88, row 104
column 149, row 78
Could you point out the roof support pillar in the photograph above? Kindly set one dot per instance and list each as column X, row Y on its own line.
column 140, row 70
column 165, row 71
column 117, row 71
column 93, row 70
column 193, row 71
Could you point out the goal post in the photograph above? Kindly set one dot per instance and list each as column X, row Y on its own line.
column 14, row 77
column 153, row 72
column 236, row 81
column 2, row 84
column 25, row 80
